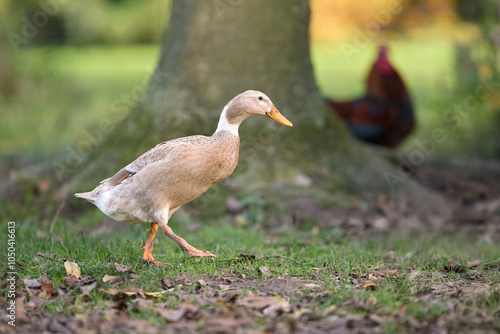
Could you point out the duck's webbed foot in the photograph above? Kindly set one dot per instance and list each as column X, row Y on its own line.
column 148, row 248
column 190, row 250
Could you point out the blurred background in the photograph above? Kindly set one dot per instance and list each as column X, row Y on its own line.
column 65, row 65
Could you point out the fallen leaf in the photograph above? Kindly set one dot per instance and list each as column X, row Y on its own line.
column 256, row 302
column 33, row 283
column 154, row 294
column 111, row 291
column 389, row 273
column 474, row 264
column 175, row 315
column 88, row 279
column 167, row 283
column 310, row 285
column 72, row 269
column 86, row 289
column 110, row 278
column 122, row 268
column 47, row 286
column 201, row 282
column 278, row 309
column 371, row 277
column 70, row 280
column 31, row 304
column 369, row 285
column 20, row 310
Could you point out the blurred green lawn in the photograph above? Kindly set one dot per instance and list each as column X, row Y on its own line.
column 63, row 91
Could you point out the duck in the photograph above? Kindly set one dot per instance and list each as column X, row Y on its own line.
column 156, row 184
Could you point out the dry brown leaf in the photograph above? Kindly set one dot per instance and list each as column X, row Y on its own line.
column 389, row 273
column 122, row 268
column 72, row 269
column 167, row 283
column 111, row 291
column 154, row 294
column 257, row 302
column 70, row 280
column 369, row 285
column 175, row 315
column 20, row 310
column 47, row 286
column 110, row 278
column 31, row 304
column 474, row 264
column 201, row 282
column 278, row 308
column 86, row 289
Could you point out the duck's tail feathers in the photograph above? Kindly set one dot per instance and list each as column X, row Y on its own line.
column 89, row 196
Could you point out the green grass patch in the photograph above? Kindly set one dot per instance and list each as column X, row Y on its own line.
column 338, row 268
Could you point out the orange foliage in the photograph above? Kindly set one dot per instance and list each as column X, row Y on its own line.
column 337, row 20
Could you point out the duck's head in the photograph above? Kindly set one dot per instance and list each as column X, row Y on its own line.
column 246, row 104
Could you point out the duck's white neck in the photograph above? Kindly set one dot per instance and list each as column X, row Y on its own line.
column 224, row 124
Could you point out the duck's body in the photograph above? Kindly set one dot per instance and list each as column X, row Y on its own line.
column 155, row 185
column 169, row 175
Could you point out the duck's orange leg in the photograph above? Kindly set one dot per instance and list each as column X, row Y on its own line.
column 190, row 250
column 148, row 248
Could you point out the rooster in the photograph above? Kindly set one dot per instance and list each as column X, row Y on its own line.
column 384, row 116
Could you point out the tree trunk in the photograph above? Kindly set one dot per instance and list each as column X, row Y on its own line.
column 214, row 50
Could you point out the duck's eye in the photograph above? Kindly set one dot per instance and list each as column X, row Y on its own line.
column 260, row 97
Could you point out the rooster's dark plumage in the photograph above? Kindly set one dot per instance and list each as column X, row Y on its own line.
column 384, row 116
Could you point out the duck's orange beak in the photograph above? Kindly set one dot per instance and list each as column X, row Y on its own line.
column 275, row 114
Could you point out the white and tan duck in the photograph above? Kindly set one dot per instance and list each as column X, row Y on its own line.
column 173, row 173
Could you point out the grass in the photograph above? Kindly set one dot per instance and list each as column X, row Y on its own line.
column 70, row 89
column 241, row 251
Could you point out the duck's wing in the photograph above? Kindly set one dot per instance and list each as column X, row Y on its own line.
column 168, row 150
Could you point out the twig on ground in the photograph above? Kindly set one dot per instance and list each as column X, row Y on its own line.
column 48, row 258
